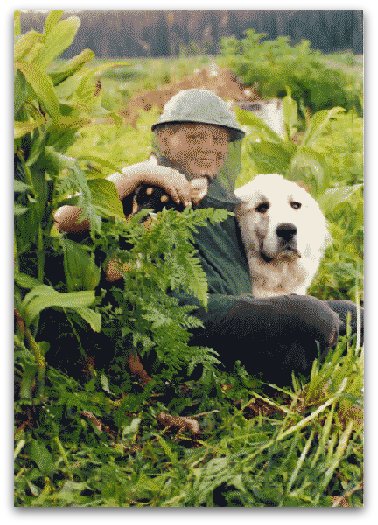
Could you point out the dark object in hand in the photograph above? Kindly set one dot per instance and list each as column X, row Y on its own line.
column 154, row 198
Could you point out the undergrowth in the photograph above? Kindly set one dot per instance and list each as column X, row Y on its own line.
column 192, row 434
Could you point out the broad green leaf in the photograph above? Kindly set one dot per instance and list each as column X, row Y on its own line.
column 20, row 187
column 105, row 382
column 19, row 210
column 42, row 297
column 270, row 157
column 52, row 20
column 93, row 318
column 21, row 128
column 42, row 457
column 290, row 116
column 19, row 447
column 58, row 40
column 28, row 378
column 83, row 96
column 57, row 161
column 130, row 431
column 105, row 198
column 332, row 197
column 311, row 166
column 42, row 86
column 70, row 492
column 17, row 23
column 38, row 145
column 318, row 125
column 79, row 267
column 248, row 118
column 108, row 65
column 66, row 88
column 25, row 281
column 67, row 124
column 26, row 226
column 106, row 163
column 61, row 71
column 20, row 92
column 27, row 45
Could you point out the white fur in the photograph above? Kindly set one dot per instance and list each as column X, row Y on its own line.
column 287, row 271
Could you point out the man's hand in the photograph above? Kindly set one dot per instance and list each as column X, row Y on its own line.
column 67, row 219
column 170, row 180
column 115, row 269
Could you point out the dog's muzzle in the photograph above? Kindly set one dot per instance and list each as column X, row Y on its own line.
column 287, row 239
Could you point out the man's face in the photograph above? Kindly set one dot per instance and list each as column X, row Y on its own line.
column 198, row 150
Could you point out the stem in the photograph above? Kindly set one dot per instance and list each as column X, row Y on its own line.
column 37, row 353
column 15, row 255
column 40, row 254
column 64, row 457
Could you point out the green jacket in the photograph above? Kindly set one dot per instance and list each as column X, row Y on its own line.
column 222, row 256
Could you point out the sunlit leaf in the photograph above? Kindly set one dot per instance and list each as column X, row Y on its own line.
column 63, row 70
column 290, row 116
column 42, row 297
column 20, row 187
column 27, row 46
column 271, row 157
column 93, row 318
column 19, row 210
column 332, row 197
column 105, row 198
column 21, row 128
column 41, row 456
column 79, row 267
column 52, row 20
column 318, row 125
column 58, row 37
column 42, row 86
column 17, row 23
column 248, row 118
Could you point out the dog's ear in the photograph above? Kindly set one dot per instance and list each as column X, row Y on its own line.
column 243, row 193
column 303, row 185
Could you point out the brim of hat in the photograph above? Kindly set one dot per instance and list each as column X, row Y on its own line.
column 236, row 133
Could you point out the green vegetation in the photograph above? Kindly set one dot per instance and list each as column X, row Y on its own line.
column 122, row 82
column 273, row 66
column 100, row 439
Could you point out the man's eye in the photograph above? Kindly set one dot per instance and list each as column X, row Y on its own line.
column 296, row 205
column 262, row 207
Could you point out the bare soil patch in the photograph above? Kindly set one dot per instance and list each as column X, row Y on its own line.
column 222, row 81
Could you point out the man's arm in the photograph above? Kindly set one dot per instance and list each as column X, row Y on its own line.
column 173, row 182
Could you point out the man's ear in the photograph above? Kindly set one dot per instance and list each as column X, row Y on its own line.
column 162, row 139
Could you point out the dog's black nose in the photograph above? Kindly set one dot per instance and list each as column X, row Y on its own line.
column 286, row 231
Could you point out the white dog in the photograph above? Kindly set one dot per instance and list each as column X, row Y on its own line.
column 284, row 233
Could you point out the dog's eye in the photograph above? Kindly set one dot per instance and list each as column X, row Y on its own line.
column 296, row 205
column 262, row 207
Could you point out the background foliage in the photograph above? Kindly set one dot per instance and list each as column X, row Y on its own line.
column 96, row 438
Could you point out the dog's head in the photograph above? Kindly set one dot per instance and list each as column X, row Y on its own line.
column 280, row 220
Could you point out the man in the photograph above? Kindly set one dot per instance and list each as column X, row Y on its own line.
column 195, row 160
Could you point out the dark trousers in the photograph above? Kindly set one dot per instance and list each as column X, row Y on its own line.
column 273, row 337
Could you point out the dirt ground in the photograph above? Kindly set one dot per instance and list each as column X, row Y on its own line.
column 222, row 81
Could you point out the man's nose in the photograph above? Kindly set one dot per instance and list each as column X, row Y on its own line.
column 286, row 231
column 208, row 142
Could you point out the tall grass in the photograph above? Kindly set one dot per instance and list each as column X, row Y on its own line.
column 100, row 439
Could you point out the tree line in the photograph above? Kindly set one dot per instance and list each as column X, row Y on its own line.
column 169, row 33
